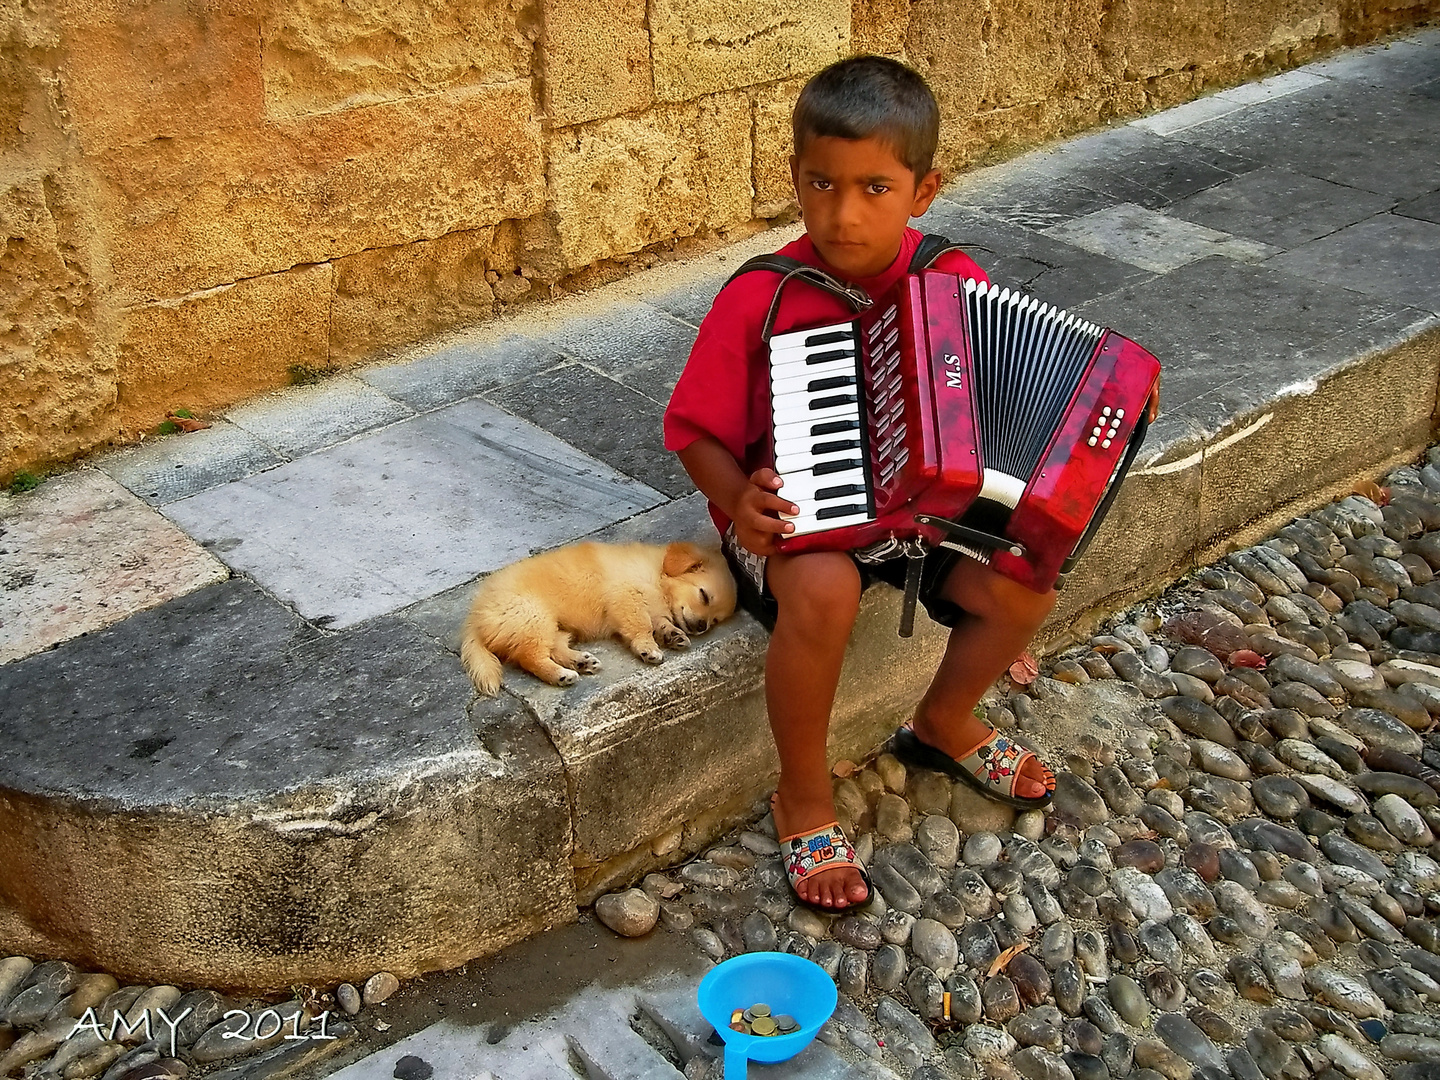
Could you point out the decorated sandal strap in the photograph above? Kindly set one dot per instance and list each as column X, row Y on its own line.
column 997, row 761
column 809, row 853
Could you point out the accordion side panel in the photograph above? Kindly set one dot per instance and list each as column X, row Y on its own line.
column 951, row 374
column 1081, row 462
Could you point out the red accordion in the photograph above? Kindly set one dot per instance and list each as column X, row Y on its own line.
column 957, row 413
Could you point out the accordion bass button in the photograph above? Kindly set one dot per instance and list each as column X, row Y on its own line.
column 1093, row 440
column 1105, row 445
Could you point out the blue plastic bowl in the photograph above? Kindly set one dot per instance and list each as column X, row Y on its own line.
column 788, row 984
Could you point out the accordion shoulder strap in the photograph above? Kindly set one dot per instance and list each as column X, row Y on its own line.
column 932, row 246
column 789, row 269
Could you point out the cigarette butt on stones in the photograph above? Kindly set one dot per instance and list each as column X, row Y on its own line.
column 947, row 1004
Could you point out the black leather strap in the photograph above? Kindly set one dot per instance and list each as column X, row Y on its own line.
column 790, row 269
column 932, row 246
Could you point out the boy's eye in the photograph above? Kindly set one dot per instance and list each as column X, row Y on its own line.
column 878, row 189
column 820, row 185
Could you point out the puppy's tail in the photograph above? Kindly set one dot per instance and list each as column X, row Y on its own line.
column 482, row 665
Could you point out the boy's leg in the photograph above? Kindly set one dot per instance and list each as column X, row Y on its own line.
column 999, row 617
column 819, row 596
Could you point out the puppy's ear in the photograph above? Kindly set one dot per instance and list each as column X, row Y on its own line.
column 681, row 558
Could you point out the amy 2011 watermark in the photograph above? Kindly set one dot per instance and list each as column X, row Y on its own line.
column 265, row 1024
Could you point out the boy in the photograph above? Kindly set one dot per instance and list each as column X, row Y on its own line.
column 865, row 133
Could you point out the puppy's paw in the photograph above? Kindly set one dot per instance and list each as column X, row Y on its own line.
column 587, row 663
column 672, row 637
column 567, row 677
column 650, row 654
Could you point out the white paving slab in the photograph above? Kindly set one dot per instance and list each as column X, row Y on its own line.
column 305, row 418
column 372, row 525
column 80, row 553
column 1205, row 109
column 1154, row 241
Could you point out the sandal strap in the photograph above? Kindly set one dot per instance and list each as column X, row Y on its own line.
column 809, row 853
column 997, row 762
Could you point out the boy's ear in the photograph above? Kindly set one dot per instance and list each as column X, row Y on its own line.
column 681, row 558
column 926, row 189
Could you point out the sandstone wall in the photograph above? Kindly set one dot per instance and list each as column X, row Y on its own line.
column 201, row 198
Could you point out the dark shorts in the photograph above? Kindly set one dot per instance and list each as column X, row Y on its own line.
column 755, row 597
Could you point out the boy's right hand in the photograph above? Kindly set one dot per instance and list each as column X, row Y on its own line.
column 757, row 525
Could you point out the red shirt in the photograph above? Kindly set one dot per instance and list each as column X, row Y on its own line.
column 724, row 391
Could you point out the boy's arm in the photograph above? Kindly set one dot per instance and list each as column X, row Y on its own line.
column 749, row 502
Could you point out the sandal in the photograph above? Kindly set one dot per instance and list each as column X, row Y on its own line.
column 809, row 853
column 991, row 767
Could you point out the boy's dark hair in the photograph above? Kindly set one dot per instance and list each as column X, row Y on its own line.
column 871, row 97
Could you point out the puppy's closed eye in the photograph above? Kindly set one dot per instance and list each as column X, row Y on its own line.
column 704, row 597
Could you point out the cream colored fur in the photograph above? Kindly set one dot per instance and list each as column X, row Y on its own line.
column 531, row 612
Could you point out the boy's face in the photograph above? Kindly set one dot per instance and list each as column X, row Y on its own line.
column 857, row 197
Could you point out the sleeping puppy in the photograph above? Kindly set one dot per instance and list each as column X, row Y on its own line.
column 531, row 611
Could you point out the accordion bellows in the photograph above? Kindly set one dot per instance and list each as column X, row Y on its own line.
column 957, row 413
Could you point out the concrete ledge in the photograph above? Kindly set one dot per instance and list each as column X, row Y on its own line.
column 361, row 820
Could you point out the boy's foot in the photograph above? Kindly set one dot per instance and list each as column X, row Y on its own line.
column 981, row 756
column 818, row 859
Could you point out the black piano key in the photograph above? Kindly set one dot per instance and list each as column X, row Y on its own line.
column 830, row 383
column 834, row 445
column 830, row 338
column 832, row 427
column 832, row 401
column 837, row 491
column 837, row 466
column 840, row 511
column 826, row 357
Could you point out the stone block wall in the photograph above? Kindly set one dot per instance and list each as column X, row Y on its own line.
column 201, row 199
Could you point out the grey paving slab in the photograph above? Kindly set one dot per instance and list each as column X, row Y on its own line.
column 1154, row 241
column 305, row 418
column 373, row 525
column 691, row 301
column 1397, row 258
column 1377, row 140
column 685, row 518
column 1279, row 207
column 1214, row 106
column 1426, row 208
column 1033, row 199
column 639, row 345
column 1231, row 336
column 175, row 466
column 223, row 694
column 1395, row 65
column 614, row 423
column 463, row 370
column 1041, row 265
column 1146, row 169
column 80, row 553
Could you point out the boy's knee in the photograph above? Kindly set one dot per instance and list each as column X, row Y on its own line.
column 986, row 593
column 820, row 588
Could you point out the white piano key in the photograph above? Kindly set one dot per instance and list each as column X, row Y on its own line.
column 807, row 523
column 800, row 381
column 792, row 463
column 799, row 337
column 801, row 488
column 806, row 427
column 791, row 412
column 810, row 444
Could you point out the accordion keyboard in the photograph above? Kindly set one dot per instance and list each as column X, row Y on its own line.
column 818, row 416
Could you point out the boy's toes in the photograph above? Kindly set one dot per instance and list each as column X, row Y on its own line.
column 1035, row 780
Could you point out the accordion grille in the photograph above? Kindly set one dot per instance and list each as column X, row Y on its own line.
column 1028, row 359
